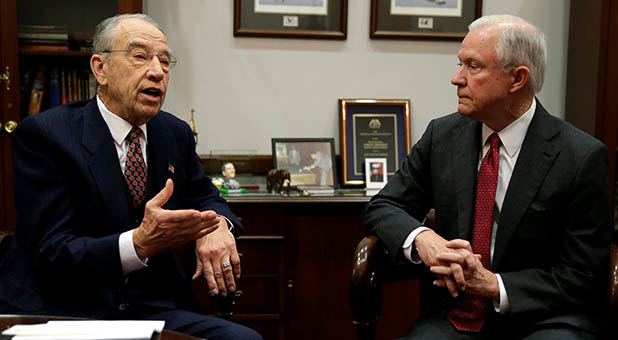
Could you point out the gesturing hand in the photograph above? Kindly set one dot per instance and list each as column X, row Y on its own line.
column 217, row 260
column 165, row 229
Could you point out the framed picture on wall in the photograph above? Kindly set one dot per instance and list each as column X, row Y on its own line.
column 372, row 128
column 310, row 161
column 326, row 19
column 425, row 19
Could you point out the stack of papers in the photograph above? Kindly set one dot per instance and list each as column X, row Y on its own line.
column 86, row 330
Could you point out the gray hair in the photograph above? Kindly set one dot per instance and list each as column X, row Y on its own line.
column 518, row 45
column 105, row 32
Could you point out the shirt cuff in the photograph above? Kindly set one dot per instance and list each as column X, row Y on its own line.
column 128, row 257
column 229, row 223
column 409, row 251
column 502, row 306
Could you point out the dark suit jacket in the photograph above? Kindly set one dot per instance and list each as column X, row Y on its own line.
column 73, row 203
column 554, row 228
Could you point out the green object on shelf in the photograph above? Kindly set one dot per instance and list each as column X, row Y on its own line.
column 225, row 191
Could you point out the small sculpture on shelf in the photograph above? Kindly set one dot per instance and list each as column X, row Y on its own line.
column 228, row 184
column 275, row 180
column 229, row 172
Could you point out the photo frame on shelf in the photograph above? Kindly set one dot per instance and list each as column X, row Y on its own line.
column 372, row 128
column 310, row 161
column 322, row 19
column 421, row 19
column 375, row 173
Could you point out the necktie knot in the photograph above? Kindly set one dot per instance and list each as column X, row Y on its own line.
column 494, row 140
column 134, row 134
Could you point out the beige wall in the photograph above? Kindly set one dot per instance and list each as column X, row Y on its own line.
column 247, row 90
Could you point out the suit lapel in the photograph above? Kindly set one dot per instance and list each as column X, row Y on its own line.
column 536, row 156
column 466, row 143
column 158, row 156
column 104, row 166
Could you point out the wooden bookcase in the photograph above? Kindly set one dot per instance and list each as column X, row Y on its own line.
column 80, row 17
column 592, row 76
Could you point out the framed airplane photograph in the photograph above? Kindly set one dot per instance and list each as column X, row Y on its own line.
column 322, row 19
column 422, row 19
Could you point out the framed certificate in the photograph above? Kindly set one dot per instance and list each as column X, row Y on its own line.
column 327, row 19
column 425, row 19
column 372, row 128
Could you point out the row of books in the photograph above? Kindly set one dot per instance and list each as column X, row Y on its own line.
column 46, row 88
column 51, row 36
column 40, row 34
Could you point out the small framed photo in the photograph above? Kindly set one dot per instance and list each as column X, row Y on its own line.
column 424, row 19
column 310, row 161
column 375, row 173
column 372, row 128
column 326, row 19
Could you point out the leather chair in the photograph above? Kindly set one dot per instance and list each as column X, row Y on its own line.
column 371, row 269
column 205, row 302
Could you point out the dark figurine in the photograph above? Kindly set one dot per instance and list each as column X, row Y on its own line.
column 275, row 180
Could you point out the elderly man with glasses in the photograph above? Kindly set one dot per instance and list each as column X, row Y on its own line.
column 105, row 189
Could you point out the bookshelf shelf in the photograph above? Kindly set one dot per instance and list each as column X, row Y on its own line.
column 51, row 50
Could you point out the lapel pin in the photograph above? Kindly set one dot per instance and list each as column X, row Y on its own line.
column 170, row 168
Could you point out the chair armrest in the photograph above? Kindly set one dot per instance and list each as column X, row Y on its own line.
column 366, row 286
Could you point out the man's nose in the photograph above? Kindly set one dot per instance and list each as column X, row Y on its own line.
column 155, row 68
column 458, row 78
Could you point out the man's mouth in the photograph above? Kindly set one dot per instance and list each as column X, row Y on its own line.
column 153, row 92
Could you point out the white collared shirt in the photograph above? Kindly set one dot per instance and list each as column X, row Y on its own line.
column 511, row 140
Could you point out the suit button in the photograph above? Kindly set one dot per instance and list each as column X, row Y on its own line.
column 122, row 306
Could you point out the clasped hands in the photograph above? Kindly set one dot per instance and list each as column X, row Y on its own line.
column 163, row 229
column 456, row 267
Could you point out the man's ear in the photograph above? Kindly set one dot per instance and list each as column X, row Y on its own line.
column 520, row 74
column 98, row 67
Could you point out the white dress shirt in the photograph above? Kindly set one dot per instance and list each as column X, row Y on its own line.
column 511, row 138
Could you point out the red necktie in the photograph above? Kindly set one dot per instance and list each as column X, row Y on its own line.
column 469, row 312
column 135, row 172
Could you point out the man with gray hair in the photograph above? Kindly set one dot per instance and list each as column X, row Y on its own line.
column 106, row 189
column 523, row 222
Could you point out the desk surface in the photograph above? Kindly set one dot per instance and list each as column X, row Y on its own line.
column 7, row 321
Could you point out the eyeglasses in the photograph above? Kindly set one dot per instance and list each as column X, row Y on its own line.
column 140, row 57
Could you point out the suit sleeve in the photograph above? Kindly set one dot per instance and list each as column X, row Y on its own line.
column 48, row 219
column 402, row 204
column 199, row 191
column 578, row 275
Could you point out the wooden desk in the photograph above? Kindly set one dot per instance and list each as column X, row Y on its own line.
column 7, row 321
column 297, row 267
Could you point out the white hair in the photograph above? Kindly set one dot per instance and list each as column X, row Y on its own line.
column 519, row 44
column 105, row 32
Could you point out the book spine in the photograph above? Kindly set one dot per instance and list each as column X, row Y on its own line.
column 63, row 87
column 54, row 88
column 36, row 96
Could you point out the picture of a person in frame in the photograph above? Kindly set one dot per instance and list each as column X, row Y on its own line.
column 377, row 172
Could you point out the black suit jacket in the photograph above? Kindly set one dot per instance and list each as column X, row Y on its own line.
column 73, row 203
column 553, row 234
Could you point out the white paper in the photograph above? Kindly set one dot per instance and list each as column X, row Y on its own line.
column 87, row 330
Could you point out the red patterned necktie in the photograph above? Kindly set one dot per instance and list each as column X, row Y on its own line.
column 135, row 172
column 469, row 312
